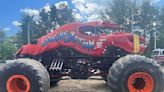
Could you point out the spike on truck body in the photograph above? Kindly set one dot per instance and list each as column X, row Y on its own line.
column 79, row 50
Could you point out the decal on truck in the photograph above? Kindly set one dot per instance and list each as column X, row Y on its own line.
column 136, row 43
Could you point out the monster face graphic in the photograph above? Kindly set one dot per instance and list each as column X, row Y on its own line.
column 88, row 38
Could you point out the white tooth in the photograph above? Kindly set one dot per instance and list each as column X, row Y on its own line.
column 87, row 43
column 90, row 43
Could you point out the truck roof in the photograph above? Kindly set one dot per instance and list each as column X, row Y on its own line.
column 158, row 49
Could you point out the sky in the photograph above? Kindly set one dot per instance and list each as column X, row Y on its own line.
column 10, row 10
column 85, row 10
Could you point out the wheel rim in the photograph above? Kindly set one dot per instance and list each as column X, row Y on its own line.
column 140, row 82
column 18, row 83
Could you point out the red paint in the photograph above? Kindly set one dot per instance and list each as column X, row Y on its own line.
column 119, row 39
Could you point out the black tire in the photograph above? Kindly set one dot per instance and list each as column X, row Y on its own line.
column 123, row 69
column 35, row 72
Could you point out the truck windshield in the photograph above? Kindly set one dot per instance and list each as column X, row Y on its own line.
column 106, row 30
column 90, row 30
column 155, row 53
column 162, row 53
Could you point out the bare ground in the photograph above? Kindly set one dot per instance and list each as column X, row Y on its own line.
column 94, row 84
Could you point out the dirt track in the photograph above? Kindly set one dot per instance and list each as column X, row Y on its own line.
column 90, row 85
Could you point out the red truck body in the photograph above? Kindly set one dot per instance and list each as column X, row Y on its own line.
column 75, row 36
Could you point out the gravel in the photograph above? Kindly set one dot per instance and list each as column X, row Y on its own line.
column 93, row 84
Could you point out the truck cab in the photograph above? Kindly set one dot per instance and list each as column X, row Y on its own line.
column 158, row 55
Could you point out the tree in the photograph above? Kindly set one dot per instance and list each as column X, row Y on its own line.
column 47, row 20
column 2, row 35
column 119, row 11
column 64, row 16
column 149, row 14
column 160, row 42
column 7, row 48
column 26, row 25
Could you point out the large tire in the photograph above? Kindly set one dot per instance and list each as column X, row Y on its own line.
column 24, row 75
column 134, row 73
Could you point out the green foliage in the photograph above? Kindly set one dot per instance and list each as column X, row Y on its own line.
column 47, row 22
column 118, row 12
column 149, row 14
column 64, row 16
column 7, row 47
column 2, row 36
column 160, row 42
column 121, row 9
column 27, row 24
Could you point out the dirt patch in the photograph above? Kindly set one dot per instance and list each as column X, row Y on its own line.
column 90, row 85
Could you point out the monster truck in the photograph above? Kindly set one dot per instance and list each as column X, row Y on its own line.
column 79, row 50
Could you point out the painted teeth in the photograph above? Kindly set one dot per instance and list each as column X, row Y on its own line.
column 87, row 44
column 91, row 42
